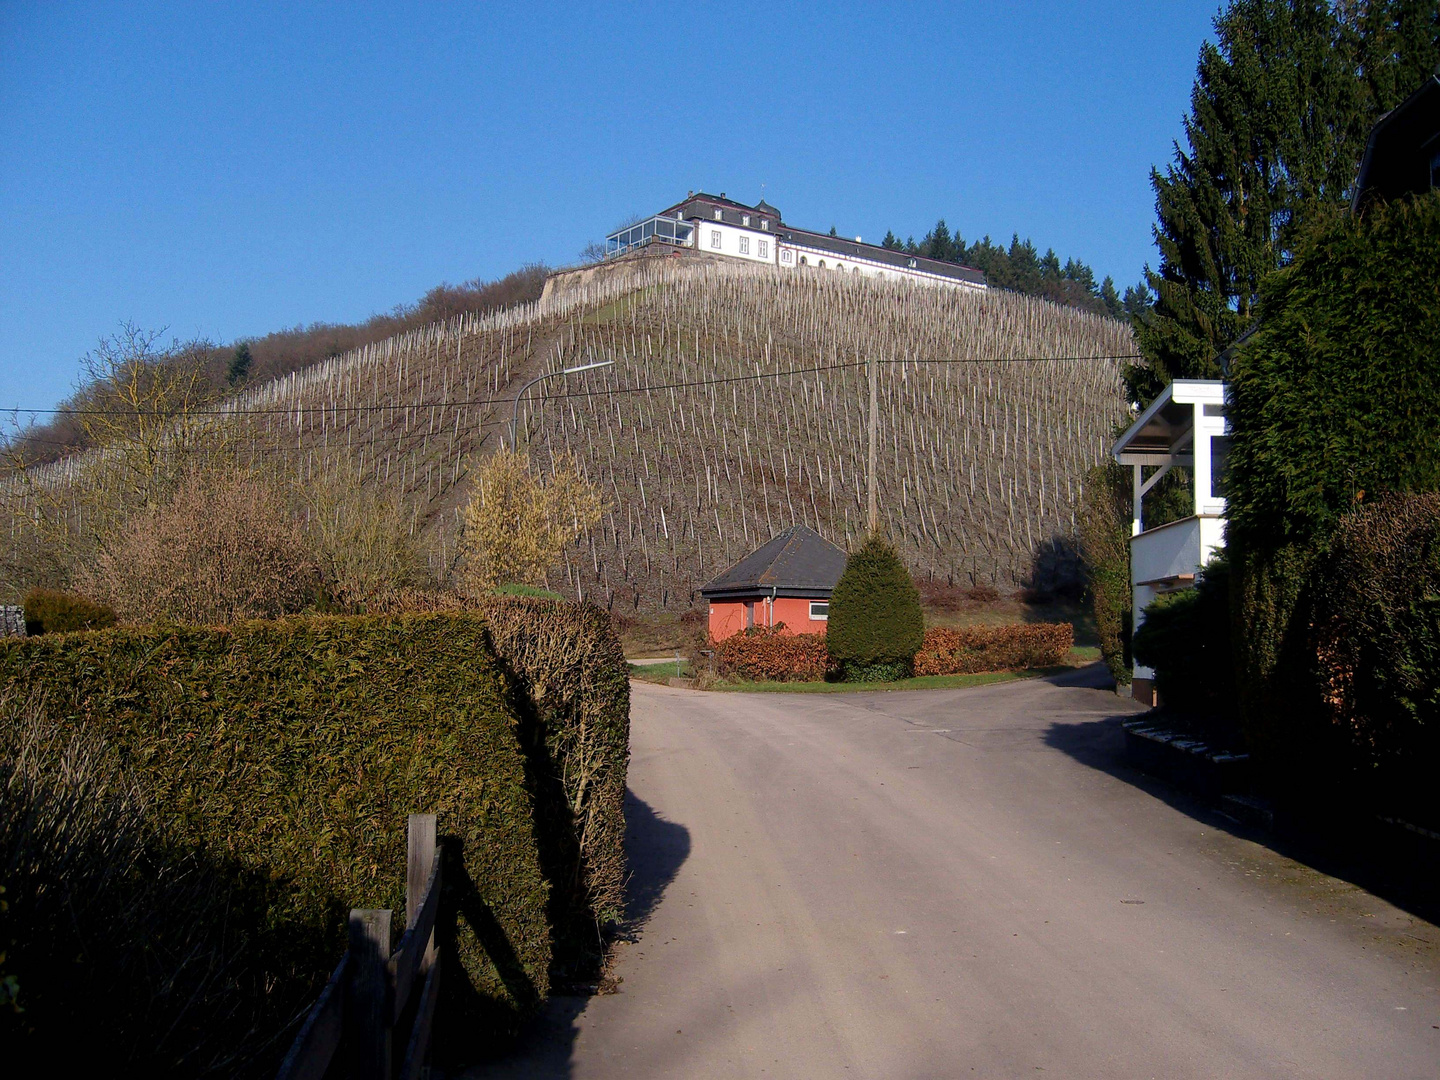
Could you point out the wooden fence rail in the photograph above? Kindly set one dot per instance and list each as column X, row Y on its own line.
column 373, row 1019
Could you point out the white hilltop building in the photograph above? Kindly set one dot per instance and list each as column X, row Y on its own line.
column 756, row 234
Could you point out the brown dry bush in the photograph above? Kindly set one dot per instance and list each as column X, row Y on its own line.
column 970, row 650
column 767, row 655
column 368, row 557
column 225, row 548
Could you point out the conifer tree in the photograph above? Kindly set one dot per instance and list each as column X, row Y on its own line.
column 1281, row 107
column 240, row 362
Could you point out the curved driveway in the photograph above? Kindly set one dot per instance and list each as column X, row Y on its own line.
column 957, row 883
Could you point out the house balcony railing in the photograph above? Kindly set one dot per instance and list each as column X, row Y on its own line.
column 1167, row 556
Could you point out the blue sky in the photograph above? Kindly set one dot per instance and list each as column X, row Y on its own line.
column 227, row 170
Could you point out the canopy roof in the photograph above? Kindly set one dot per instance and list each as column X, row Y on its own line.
column 1158, row 433
column 798, row 562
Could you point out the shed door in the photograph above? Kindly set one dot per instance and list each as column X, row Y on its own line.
column 749, row 614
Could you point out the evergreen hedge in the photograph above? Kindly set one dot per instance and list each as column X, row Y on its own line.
column 279, row 761
column 575, row 686
column 1335, row 400
column 1104, row 526
column 1185, row 637
column 52, row 611
column 876, row 625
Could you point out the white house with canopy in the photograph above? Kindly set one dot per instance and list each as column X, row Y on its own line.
column 1185, row 427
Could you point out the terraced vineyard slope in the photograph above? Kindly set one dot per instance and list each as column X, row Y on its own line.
column 736, row 405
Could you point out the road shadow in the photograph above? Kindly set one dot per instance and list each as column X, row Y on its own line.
column 655, row 850
column 1387, row 862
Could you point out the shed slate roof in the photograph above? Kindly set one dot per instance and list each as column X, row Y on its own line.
column 798, row 562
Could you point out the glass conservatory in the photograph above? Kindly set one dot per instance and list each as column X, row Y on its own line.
column 664, row 230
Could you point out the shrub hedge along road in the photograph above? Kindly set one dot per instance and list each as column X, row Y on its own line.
column 289, row 753
column 575, row 688
column 768, row 656
column 969, row 650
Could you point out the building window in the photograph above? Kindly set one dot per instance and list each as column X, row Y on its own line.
column 1219, row 464
column 787, row 255
column 804, row 262
column 745, row 220
column 744, row 245
column 854, row 269
column 822, row 264
column 718, row 214
column 819, row 610
column 749, row 614
column 840, row 268
column 912, row 264
column 765, row 224
column 715, row 238
column 764, row 249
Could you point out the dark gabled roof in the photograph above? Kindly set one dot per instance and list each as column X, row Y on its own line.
column 799, row 562
column 899, row 259
column 1403, row 147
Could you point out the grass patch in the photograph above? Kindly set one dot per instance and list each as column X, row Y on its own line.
column 526, row 590
column 659, row 673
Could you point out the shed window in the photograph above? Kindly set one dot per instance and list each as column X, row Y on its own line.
column 819, row 610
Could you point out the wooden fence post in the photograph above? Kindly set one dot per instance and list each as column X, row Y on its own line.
column 419, row 859
column 367, row 1008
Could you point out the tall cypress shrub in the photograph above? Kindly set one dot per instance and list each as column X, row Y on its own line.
column 1336, row 400
column 876, row 626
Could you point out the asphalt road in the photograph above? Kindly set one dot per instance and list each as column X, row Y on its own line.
column 955, row 883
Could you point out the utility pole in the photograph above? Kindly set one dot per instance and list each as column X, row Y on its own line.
column 874, row 513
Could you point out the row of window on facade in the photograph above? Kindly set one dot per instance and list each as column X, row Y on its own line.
column 763, row 246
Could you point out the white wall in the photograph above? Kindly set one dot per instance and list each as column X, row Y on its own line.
column 730, row 237
column 849, row 264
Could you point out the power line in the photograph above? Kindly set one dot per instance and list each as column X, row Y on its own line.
column 292, row 410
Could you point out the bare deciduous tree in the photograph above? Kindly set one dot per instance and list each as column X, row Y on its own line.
column 516, row 526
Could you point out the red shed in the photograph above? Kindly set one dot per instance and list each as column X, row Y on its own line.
column 788, row 580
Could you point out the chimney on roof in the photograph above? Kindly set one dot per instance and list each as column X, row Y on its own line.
column 690, row 193
column 722, row 194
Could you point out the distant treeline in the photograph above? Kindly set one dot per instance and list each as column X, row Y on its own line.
column 250, row 360
column 1021, row 268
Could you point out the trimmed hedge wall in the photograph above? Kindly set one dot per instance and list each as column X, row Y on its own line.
column 283, row 758
column 970, row 650
column 769, row 656
column 766, row 655
column 574, row 680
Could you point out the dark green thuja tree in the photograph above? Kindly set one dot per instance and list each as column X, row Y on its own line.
column 876, row 626
column 1335, row 401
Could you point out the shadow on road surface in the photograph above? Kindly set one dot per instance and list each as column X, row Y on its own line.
column 1398, row 867
column 656, row 850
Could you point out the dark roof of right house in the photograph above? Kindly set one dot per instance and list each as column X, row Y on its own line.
column 798, row 562
column 1403, row 150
